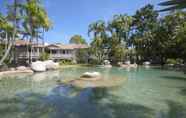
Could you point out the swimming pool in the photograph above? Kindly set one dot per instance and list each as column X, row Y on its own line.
column 148, row 93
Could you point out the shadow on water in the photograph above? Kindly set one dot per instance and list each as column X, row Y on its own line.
column 59, row 103
column 182, row 90
column 176, row 110
column 66, row 102
column 30, row 106
column 174, row 78
column 97, row 103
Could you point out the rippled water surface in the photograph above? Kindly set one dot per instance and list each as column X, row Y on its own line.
column 148, row 93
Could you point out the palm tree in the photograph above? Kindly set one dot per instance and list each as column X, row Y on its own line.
column 98, row 29
column 120, row 25
column 77, row 39
column 173, row 5
column 7, row 26
column 36, row 22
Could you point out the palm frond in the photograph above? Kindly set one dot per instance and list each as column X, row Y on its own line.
column 173, row 5
column 172, row 2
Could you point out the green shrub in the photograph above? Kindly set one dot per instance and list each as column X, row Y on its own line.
column 65, row 62
column 44, row 56
column 174, row 61
column 94, row 62
column 171, row 61
column 179, row 61
column 82, row 56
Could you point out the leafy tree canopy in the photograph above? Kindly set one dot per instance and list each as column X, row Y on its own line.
column 77, row 39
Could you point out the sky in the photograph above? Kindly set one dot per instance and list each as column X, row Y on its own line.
column 70, row 17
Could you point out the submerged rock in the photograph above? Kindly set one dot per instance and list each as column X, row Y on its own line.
column 128, row 65
column 93, row 81
column 12, row 69
column 13, row 72
column 101, row 83
column 21, row 68
column 107, row 66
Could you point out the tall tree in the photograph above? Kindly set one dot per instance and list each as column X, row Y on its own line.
column 120, row 26
column 35, row 21
column 145, row 24
column 98, row 29
column 13, row 16
column 77, row 39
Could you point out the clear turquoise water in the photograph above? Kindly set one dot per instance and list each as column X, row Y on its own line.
column 148, row 93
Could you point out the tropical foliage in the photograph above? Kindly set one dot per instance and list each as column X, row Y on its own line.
column 26, row 20
column 145, row 36
column 109, row 38
column 77, row 39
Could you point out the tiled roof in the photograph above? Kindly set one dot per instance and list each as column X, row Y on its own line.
column 69, row 46
column 24, row 43
column 21, row 43
column 53, row 46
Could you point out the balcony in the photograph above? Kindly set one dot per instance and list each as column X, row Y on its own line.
column 61, row 56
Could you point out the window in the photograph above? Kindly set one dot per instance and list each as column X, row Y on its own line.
column 63, row 51
column 54, row 51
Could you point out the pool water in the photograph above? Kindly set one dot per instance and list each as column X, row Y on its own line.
column 148, row 93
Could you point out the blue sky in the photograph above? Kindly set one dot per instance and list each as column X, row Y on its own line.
column 72, row 17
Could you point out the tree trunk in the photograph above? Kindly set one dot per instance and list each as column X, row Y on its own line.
column 6, row 53
column 184, row 67
column 6, row 41
column 14, row 34
column 30, row 51
column 43, row 42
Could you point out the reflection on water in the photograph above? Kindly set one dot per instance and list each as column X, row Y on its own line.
column 149, row 93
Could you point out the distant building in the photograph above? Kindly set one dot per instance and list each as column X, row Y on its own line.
column 67, row 52
column 57, row 51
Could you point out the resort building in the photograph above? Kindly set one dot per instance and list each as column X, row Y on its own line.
column 64, row 52
column 56, row 52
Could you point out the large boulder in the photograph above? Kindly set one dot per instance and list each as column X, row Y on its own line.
column 127, row 62
column 51, row 65
column 91, row 75
column 146, row 63
column 38, row 66
column 106, row 62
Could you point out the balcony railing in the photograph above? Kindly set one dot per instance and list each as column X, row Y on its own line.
column 61, row 56
column 52, row 56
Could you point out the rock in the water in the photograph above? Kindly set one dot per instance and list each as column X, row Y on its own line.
column 146, row 63
column 91, row 75
column 106, row 62
column 108, row 66
column 127, row 62
column 21, row 68
column 51, row 65
column 38, row 66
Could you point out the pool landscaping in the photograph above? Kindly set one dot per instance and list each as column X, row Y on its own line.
column 147, row 93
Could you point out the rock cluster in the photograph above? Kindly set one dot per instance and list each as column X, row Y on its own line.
column 41, row 66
